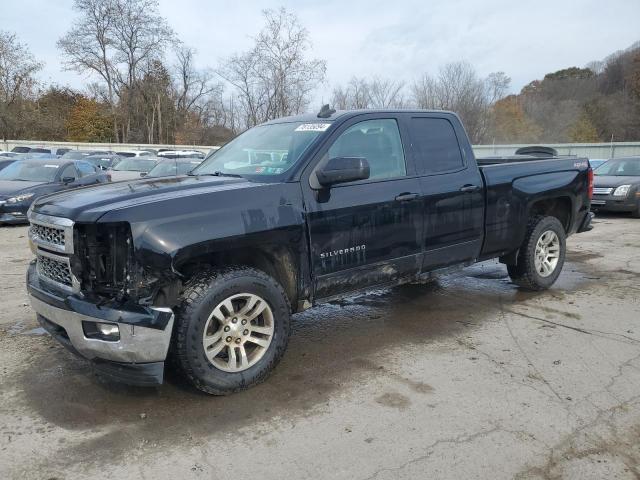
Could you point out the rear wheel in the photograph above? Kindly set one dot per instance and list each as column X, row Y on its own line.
column 541, row 255
column 232, row 329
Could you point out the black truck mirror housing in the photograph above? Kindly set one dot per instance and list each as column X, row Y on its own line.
column 68, row 180
column 342, row 170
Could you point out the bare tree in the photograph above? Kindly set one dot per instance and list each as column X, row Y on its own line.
column 275, row 78
column 116, row 40
column 90, row 47
column 459, row 88
column 387, row 93
column 361, row 93
column 194, row 87
column 17, row 80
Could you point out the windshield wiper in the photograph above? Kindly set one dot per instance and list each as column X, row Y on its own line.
column 217, row 173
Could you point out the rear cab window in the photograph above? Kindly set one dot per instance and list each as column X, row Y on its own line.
column 435, row 146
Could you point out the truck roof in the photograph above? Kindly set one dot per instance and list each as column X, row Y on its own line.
column 313, row 117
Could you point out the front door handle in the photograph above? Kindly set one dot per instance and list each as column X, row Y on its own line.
column 469, row 188
column 406, row 196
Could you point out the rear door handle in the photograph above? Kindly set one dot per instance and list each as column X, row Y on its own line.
column 405, row 197
column 469, row 188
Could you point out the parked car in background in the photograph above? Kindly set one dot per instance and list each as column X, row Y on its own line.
column 596, row 162
column 25, row 180
column 21, row 149
column 537, row 151
column 170, row 167
column 181, row 154
column 37, row 156
column 62, row 151
column 79, row 154
column 5, row 155
column 135, row 153
column 617, row 186
column 132, row 168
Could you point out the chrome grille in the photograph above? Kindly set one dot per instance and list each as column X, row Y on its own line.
column 55, row 270
column 51, row 235
column 602, row 191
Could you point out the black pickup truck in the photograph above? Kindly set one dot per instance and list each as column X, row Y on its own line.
column 208, row 267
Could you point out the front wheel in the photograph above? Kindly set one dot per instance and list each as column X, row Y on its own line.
column 232, row 329
column 541, row 255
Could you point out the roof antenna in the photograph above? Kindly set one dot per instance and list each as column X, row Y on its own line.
column 326, row 111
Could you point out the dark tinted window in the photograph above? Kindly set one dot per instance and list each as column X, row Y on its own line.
column 85, row 168
column 435, row 145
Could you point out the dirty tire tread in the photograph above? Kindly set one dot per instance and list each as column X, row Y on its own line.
column 194, row 293
column 522, row 273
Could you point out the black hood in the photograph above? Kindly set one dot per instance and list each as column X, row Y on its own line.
column 90, row 203
column 10, row 188
column 612, row 181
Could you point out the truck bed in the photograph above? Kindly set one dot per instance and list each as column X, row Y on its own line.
column 512, row 186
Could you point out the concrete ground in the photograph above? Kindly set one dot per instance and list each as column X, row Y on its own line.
column 468, row 377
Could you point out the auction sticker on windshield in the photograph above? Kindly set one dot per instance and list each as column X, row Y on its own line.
column 313, row 127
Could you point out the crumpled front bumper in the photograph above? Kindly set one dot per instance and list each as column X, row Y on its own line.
column 137, row 358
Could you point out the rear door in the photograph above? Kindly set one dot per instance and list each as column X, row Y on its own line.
column 452, row 194
column 367, row 232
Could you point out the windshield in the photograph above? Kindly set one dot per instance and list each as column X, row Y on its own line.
column 98, row 161
column 135, row 165
column 622, row 167
column 266, row 150
column 29, row 172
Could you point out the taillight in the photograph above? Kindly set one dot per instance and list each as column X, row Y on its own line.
column 590, row 175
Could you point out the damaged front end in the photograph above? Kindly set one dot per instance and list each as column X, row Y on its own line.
column 92, row 295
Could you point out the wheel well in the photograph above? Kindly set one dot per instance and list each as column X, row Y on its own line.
column 276, row 261
column 559, row 207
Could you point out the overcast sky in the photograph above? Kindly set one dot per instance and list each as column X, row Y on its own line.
column 398, row 39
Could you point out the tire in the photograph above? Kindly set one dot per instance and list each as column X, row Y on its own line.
column 199, row 315
column 525, row 272
column 636, row 212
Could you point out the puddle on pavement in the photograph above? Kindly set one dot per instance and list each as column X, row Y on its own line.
column 35, row 331
column 333, row 347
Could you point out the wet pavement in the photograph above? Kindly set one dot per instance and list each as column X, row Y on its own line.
column 464, row 377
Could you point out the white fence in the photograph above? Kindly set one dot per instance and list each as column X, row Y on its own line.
column 589, row 150
column 7, row 145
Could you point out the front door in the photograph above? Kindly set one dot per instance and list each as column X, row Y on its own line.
column 367, row 232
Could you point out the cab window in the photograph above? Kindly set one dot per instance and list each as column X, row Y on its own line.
column 378, row 141
column 435, row 146
column 68, row 172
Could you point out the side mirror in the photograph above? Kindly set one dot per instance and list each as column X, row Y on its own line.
column 67, row 180
column 342, row 170
column 143, row 174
